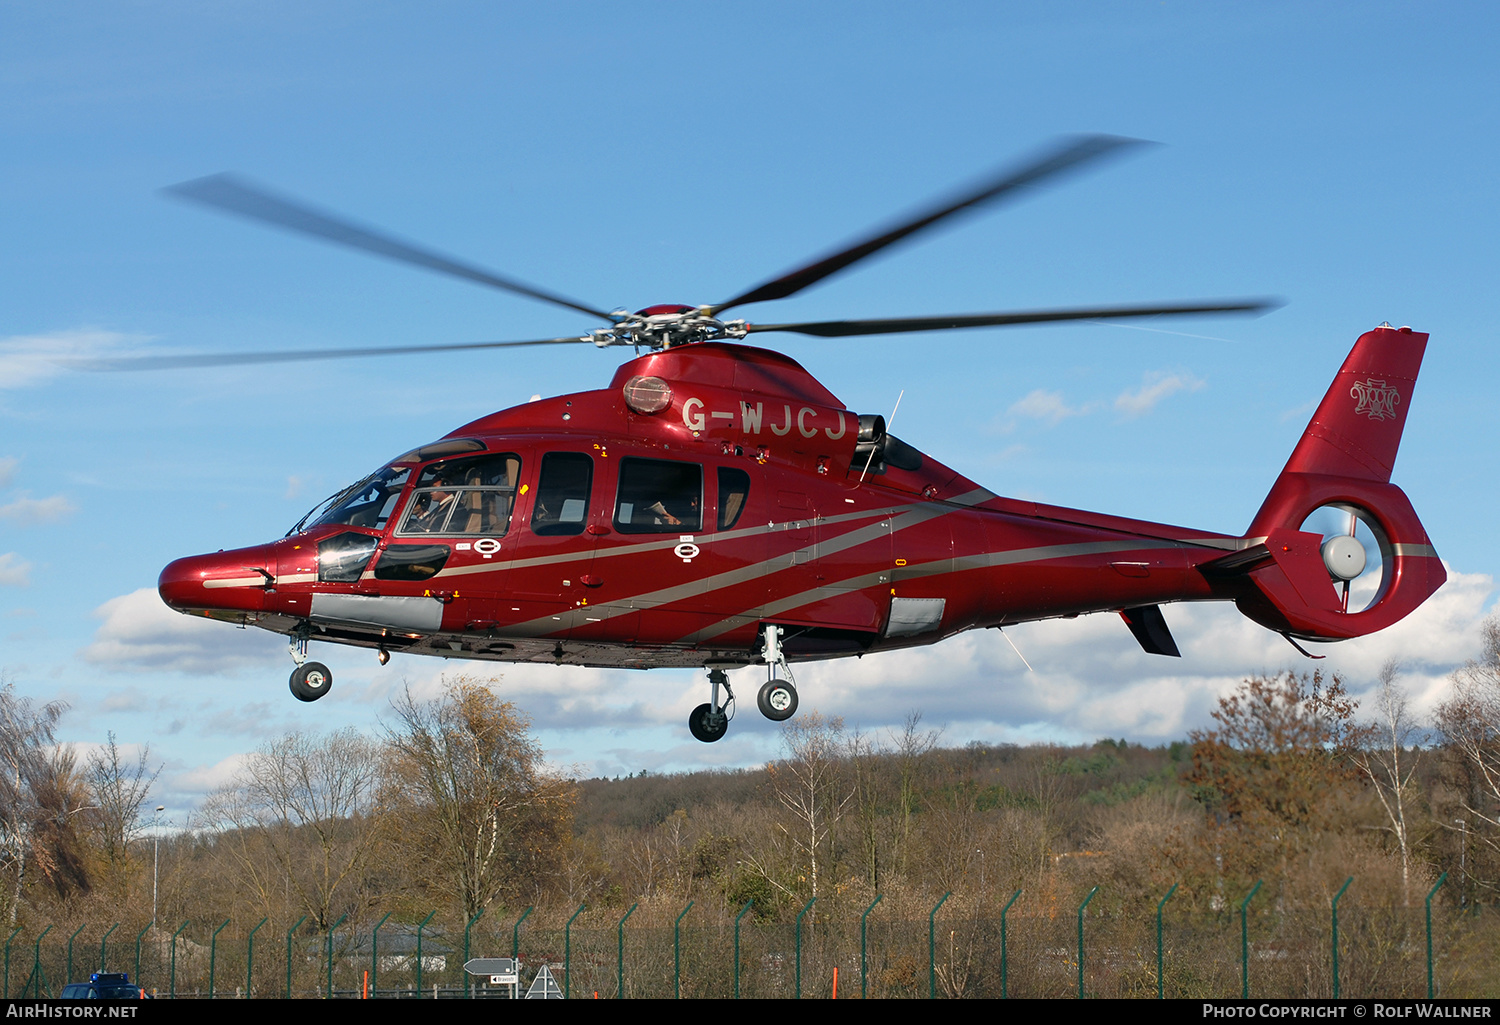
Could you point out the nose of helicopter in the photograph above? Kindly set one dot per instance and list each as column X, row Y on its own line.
column 223, row 580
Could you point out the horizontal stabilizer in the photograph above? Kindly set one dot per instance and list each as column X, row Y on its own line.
column 1150, row 629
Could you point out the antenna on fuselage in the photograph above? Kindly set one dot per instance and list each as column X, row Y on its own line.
column 889, row 420
column 1015, row 649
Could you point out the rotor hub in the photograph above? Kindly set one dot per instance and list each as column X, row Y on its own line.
column 665, row 326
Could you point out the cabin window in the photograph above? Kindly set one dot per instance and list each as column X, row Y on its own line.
column 411, row 562
column 734, row 489
column 464, row 496
column 659, row 497
column 366, row 504
column 562, row 494
column 343, row 557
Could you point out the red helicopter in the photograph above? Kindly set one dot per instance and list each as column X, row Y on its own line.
column 717, row 507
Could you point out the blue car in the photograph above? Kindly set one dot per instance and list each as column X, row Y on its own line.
column 104, row 986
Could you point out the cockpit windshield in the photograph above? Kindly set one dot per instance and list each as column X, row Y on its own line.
column 366, row 504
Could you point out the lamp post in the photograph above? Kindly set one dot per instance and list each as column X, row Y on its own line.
column 155, row 857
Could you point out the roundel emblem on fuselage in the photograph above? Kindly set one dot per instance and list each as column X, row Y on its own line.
column 687, row 551
column 486, row 546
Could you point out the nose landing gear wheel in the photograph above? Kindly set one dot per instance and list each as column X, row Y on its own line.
column 310, row 681
column 707, row 725
column 777, row 700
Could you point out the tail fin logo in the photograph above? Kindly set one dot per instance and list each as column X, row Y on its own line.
column 1377, row 400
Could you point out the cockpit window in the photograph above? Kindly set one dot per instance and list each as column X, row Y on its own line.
column 464, row 496
column 366, row 504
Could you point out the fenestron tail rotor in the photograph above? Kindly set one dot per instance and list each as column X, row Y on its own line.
column 1352, row 552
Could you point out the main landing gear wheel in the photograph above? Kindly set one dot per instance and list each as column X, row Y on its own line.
column 310, row 681
column 707, row 725
column 777, row 700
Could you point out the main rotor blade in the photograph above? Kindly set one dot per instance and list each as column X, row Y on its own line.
column 226, row 192
column 129, row 363
column 897, row 325
column 1072, row 153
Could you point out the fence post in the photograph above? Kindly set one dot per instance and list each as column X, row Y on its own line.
column 1080, row 938
column 515, row 932
column 799, row 945
column 138, row 937
column 332, row 927
column 737, row 945
column 104, row 940
column 620, row 952
column 1158, row 940
column 174, row 956
column 1245, row 943
column 568, row 952
column 1004, row 954
column 468, row 991
column 864, row 968
column 36, row 964
column 1335, row 908
column 7, row 962
column 1441, row 879
column 289, row 955
column 677, row 953
column 250, row 958
column 419, row 952
column 932, row 947
column 213, row 956
column 70, row 952
column 374, row 954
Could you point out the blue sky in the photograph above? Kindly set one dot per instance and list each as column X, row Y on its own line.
column 1338, row 156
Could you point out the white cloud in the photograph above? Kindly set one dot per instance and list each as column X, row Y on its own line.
column 28, row 511
column 1047, row 406
column 140, row 632
column 8, row 466
column 203, row 779
column 1155, row 387
column 30, row 359
column 14, row 570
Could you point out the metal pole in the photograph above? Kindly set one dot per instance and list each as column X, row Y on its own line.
column 1163, row 904
column 1245, row 943
column 1080, row 938
column 677, row 953
column 70, row 948
column 799, row 945
column 932, row 947
column 737, row 946
column 374, row 955
column 1004, row 954
column 36, row 964
column 250, row 958
column 568, row 952
column 174, row 956
column 104, row 940
column 7, row 962
column 864, row 969
column 138, row 937
column 155, row 855
column 419, row 952
column 213, row 954
column 515, row 933
column 332, row 927
column 1335, row 908
column 620, row 950
column 289, row 955
column 468, row 993
column 1431, row 992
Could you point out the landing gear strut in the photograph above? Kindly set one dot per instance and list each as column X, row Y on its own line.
column 711, row 721
column 310, row 680
column 777, row 699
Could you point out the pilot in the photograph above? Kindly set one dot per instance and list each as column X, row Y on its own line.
column 432, row 508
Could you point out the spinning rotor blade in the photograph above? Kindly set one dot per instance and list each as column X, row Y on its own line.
column 1074, row 152
column 226, row 192
column 243, row 358
column 894, row 325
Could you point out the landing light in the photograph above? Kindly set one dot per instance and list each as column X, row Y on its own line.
column 647, row 394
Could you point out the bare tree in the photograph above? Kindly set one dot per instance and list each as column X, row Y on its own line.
column 912, row 743
column 300, row 819
column 808, row 784
column 1389, row 762
column 1470, row 720
column 118, row 787
column 478, row 808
